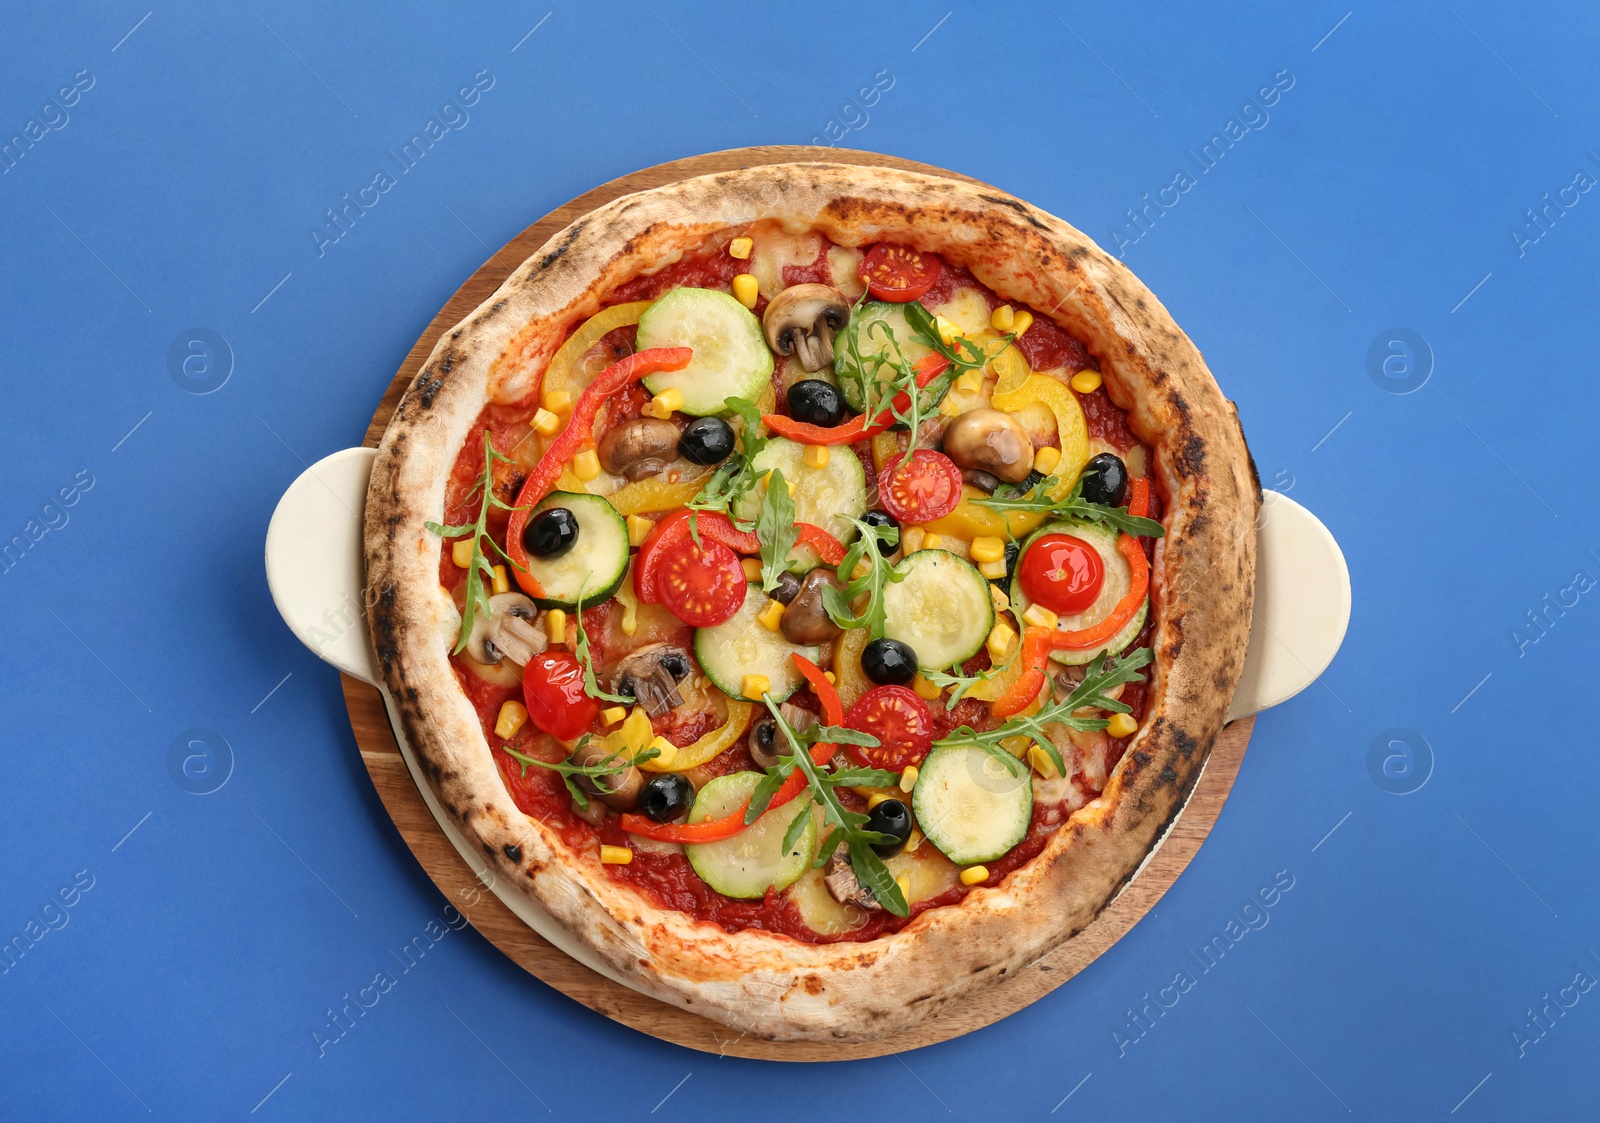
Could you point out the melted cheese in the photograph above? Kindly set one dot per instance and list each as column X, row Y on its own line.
column 775, row 248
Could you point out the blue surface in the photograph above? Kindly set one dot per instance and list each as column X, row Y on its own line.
column 1380, row 191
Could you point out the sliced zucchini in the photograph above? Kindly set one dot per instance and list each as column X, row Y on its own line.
column 1118, row 579
column 874, row 329
column 596, row 563
column 742, row 645
column 827, row 497
column 970, row 805
column 942, row 609
column 752, row 861
column 731, row 359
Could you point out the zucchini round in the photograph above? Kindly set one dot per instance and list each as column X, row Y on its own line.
column 731, row 359
column 970, row 805
column 1118, row 580
column 752, row 861
column 942, row 608
column 596, row 563
column 742, row 645
column 828, row 497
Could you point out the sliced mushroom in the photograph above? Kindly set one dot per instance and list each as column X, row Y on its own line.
column 987, row 440
column 802, row 319
column 805, row 619
column 618, row 790
column 639, row 448
column 843, row 885
column 981, row 480
column 765, row 743
column 507, row 631
column 652, row 674
column 788, row 586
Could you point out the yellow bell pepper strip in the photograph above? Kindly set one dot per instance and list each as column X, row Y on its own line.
column 656, row 495
column 558, row 371
column 969, row 520
column 852, row 682
column 1072, row 430
column 711, row 745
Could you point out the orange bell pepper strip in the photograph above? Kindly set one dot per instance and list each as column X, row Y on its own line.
column 857, row 428
column 1138, row 587
column 715, row 830
column 1035, row 656
column 1139, row 498
column 579, row 431
column 828, row 548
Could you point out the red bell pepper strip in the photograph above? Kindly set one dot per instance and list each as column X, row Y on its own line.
column 1035, row 657
column 715, row 830
column 857, row 428
column 710, row 525
column 579, row 432
column 829, row 548
column 1139, row 497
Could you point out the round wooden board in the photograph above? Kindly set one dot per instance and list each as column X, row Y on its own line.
column 396, row 787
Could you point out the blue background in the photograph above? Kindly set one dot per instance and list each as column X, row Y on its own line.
column 1382, row 193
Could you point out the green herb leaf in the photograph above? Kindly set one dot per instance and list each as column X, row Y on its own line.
column 876, row 878
column 766, row 788
column 580, row 648
column 1075, row 507
column 797, row 825
column 607, row 766
column 879, row 575
column 476, row 598
column 776, row 530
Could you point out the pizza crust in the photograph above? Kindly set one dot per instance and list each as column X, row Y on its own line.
column 765, row 985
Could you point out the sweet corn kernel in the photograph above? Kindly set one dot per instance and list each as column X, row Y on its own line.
column 816, row 456
column 555, row 626
column 924, row 688
column 970, row 382
column 1086, row 381
column 933, row 542
column 666, row 752
column 1040, row 762
column 613, row 714
column 1000, row 641
column 636, row 733
column 512, row 715
column 752, row 568
column 972, row 875
column 630, row 615
column 1002, row 318
column 903, row 883
column 461, row 552
column 988, row 548
column 1040, row 617
column 746, row 290
column 770, row 615
column 1122, row 725
column 1046, row 459
column 586, row 465
column 994, row 571
column 639, row 529
column 664, row 404
column 1017, row 745
column 947, row 331
column 1021, row 322
column 558, row 401
column 997, row 597
column 908, row 777
column 754, row 686
column 911, row 539
column 914, row 840
column 829, row 675
column 741, row 247
column 500, row 583
column 620, row 855
column 545, row 423
column 877, row 797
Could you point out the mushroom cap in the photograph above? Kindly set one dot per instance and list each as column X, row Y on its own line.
column 843, row 885
column 989, row 440
column 804, row 318
column 651, row 674
column 618, row 790
column 639, row 447
column 805, row 618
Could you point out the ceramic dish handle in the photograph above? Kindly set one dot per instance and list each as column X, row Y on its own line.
column 315, row 572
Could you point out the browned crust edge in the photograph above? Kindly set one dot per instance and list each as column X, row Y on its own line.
column 1203, row 580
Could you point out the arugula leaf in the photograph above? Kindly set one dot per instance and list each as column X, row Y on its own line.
column 776, row 529
column 879, row 574
column 734, row 477
column 1101, row 675
column 606, row 766
column 580, row 648
column 876, row 878
column 766, row 788
column 751, row 438
column 479, row 567
column 962, row 353
column 1075, row 507
column 797, row 825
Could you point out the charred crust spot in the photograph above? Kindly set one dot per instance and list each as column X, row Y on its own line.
column 427, row 387
column 514, row 853
column 813, row 984
column 1168, row 776
column 981, row 970
column 922, row 998
column 560, row 251
column 1186, row 744
column 1141, row 758
column 1020, row 208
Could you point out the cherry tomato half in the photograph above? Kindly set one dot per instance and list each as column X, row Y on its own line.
column 900, row 721
column 1062, row 573
column 552, row 687
column 702, row 585
column 899, row 273
column 919, row 490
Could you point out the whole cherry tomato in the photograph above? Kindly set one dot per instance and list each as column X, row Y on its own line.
column 899, row 273
column 920, row 489
column 900, row 721
column 1062, row 573
column 552, row 687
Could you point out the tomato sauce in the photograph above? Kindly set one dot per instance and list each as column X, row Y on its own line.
column 664, row 875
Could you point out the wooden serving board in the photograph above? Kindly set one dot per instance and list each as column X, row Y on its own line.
column 381, row 753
